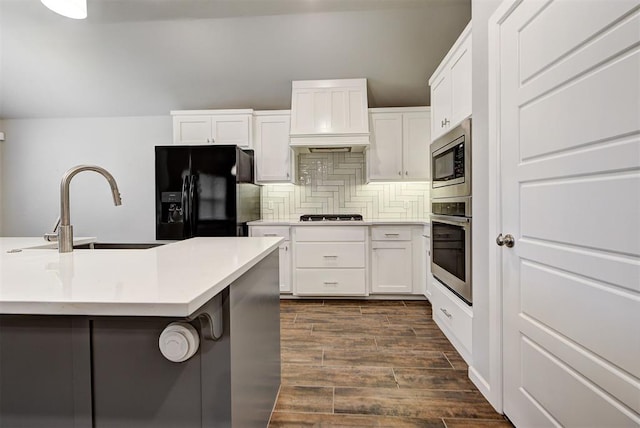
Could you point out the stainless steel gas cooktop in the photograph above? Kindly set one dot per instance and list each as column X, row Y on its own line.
column 331, row 217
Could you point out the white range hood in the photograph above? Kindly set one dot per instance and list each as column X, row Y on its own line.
column 329, row 116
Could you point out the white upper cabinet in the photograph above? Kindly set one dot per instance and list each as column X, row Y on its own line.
column 451, row 87
column 201, row 127
column 329, row 112
column 400, row 144
column 384, row 157
column 274, row 157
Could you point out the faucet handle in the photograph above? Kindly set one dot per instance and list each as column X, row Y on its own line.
column 53, row 236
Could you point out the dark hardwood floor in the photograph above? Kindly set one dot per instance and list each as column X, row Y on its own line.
column 356, row 363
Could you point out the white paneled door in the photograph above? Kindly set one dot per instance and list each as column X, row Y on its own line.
column 569, row 134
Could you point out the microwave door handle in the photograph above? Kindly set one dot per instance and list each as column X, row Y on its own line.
column 455, row 221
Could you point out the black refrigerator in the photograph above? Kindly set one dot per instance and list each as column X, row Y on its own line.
column 204, row 191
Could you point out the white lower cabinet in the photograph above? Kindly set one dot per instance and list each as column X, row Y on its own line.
column 320, row 260
column 454, row 317
column 397, row 260
column 330, row 261
column 284, row 249
column 330, row 282
column 391, row 260
column 391, row 267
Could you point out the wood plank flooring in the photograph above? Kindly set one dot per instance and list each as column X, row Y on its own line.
column 357, row 363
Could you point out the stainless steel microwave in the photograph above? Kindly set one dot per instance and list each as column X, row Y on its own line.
column 451, row 163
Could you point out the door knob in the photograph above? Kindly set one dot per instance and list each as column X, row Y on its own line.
column 507, row 240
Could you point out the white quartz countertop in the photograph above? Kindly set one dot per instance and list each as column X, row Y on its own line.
column 366, row 222
column 170, row 280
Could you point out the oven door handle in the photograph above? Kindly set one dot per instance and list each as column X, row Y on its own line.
column 452, row 220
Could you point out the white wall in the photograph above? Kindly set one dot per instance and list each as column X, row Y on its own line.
column 38, row 151
column 482, row 214
column 177, row 54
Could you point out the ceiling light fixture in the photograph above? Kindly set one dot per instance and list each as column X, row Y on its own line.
column 76, row 9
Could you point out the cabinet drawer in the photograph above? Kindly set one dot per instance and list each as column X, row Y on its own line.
column 453, row 316
column 330, row 255
column 282, row 231
column 330, row 282
column 330, row 233
column 387, row 233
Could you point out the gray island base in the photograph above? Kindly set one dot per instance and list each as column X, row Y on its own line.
column 107, row 371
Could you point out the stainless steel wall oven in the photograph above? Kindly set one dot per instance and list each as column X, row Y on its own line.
column 451, row 211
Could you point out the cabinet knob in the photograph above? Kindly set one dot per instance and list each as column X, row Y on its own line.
column 400, row 173
column 406, row 173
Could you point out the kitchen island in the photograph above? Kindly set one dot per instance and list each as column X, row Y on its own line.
column 79, row 334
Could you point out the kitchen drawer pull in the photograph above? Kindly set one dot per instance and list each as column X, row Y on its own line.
column 391, row 234
column 269, row 234
column 446, row 312
column 330, row 257
column 331, row 283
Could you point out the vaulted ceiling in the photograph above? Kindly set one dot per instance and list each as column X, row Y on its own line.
column 146, row 57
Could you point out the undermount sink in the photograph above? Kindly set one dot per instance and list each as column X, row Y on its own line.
column 116, row 246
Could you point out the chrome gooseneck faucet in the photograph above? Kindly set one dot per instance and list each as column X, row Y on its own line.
column 64, row 230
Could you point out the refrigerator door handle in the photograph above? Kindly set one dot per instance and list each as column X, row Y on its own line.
column 186, row 212
column 192, row 207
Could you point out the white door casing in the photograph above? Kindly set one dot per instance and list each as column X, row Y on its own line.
column 568, row 129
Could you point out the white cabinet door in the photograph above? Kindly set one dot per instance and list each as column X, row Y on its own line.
column 385, row 153
column 440, row 105
column 232, row 129
column 284, row 249
column 285, row 267
column 567, row 120
column 391, row 267
column 461, row 83
column 192, row 130
column 416, row 138
column 273, row 154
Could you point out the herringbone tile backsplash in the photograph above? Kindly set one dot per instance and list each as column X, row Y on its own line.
column 335, row 183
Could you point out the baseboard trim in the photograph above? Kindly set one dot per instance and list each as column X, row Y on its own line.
column 369, row 297
column 483, row 386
